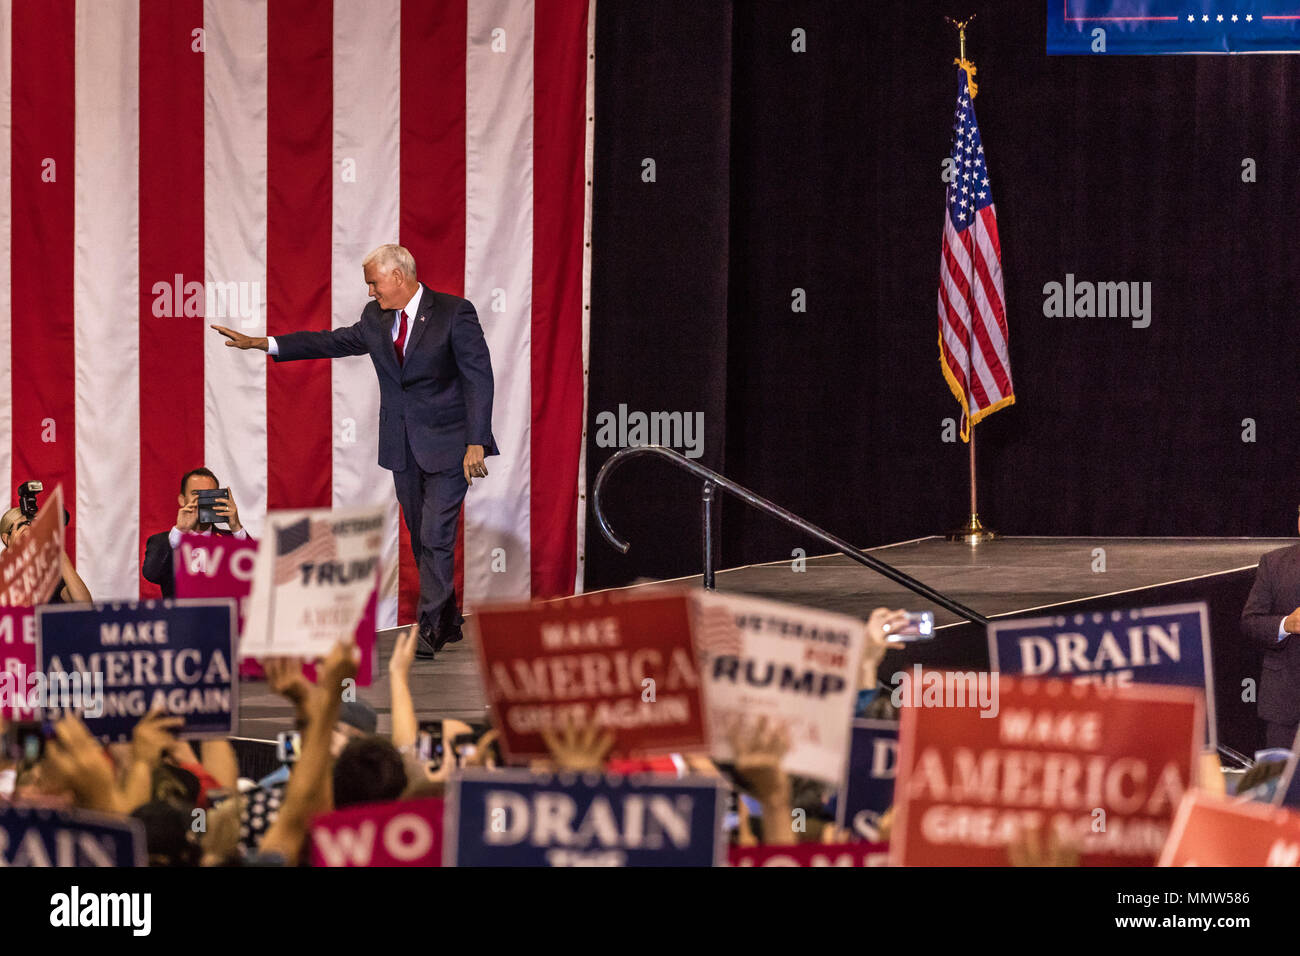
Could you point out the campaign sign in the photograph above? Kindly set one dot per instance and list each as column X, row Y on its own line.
column 1149, row 645
column 401, row 833
column 868, row 789
column 1213, row 832
column 17, row 662
column 38, row 836
column 31, row 567
column 315, row 576
column 130, row 658
column 515, row 818
column 1103, row 768
column 794, row 666
column 623, row 661
column 811, row 854
column 209, row 566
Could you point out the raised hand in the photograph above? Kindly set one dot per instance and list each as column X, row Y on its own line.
column 237, row 340
column 578, row 747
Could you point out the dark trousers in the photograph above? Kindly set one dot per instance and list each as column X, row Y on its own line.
column 431, row 506
column 1279, row 735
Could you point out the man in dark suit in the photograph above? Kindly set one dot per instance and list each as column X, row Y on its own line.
column 1271, row 619
column 435, row 412
column 158, row 550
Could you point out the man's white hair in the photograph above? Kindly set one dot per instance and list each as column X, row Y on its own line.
column 391, row 256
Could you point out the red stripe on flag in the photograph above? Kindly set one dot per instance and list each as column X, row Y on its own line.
column 41, row 248
column 432, row 186
column 299, row 239
column 989, row 221
column 171, row 245
column 559, row 131
column 987, row 349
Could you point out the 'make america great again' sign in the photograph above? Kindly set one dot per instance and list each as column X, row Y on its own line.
column 625, row 663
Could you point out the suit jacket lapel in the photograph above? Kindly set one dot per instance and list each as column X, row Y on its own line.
column 422, row 313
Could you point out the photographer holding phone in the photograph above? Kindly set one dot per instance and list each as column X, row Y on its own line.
column 158, row 566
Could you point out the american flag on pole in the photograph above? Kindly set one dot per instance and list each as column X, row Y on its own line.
column 972, row 320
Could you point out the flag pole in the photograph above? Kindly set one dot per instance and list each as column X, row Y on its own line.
column 973, row 531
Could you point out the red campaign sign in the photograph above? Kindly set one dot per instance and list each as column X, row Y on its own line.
column 31, row 567
column 17, row 661
column 209, row 566
column 1209, row 831
column 402, row 833
column 811, row 854
column 1103, row 767
column 625, row 662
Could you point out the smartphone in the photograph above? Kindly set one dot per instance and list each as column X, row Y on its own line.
column 288, row 746
column 26, row 740
column 207, row 500
column 428, row 744
column 919, row 627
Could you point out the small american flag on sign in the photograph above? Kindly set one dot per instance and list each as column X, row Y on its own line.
column 972, row 320
column 716, row 632
column 306, row 541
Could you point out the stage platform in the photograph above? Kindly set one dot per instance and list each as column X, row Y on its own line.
column 1006, row 576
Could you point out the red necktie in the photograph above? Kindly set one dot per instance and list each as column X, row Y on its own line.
column 399, row 344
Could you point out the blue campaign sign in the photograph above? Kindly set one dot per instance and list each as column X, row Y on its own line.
column 1151, row 645
column 868, row 789
column 36, row 836
column 515, row 818
column 113, row 663
column 1099, row 27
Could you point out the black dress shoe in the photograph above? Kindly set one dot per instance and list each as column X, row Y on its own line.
column 449, row 635
column 425, row 645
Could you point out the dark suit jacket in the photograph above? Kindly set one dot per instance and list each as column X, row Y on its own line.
column 1275, row 595
column 158, row 566
column 439, row 399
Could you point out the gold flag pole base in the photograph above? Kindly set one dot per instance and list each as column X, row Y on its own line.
column 973, row 532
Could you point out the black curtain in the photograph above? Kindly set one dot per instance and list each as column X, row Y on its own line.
column 821, row 171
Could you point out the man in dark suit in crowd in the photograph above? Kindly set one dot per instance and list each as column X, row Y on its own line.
column 158, row 550
column 1271, row 619
column 435, row 412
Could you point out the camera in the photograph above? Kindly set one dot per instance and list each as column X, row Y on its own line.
column 207, row 499
column 28, row 505
column 27, row 493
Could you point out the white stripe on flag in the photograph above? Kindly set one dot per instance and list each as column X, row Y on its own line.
column 367, row 123
column 106, row 303
column 234, row 234
column 498, row 280
column 6, row 243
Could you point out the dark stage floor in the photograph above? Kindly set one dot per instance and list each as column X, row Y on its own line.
column 998, row 577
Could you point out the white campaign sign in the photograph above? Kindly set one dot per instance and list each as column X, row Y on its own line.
column 793, row 665
column 315, row 573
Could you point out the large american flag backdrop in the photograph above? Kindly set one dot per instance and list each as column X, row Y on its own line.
column 972, row 318
column 163, row 159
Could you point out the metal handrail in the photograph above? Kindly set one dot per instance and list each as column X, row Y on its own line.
column 713, row 480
